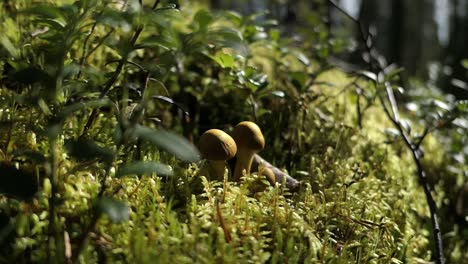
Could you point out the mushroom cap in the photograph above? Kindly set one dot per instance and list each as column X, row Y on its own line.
column 248, row 135
column 216, row 144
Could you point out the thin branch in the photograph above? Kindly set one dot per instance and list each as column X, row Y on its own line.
column 394, row 117
column 422, row 137
column 85, row 49
column 392, row 100
column 341, row 91
column 155, row 5
column 101, row 41
column 358, row 106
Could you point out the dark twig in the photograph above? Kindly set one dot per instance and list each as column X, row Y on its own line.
column 111, row 81
column 85, row 49
column 394, row 117
column 422, row 137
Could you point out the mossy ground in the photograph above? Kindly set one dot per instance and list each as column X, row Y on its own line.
column 360, row 201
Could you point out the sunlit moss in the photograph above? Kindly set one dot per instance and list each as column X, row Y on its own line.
column 360, row 201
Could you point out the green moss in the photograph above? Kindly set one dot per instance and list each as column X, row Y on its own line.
column 359, row 202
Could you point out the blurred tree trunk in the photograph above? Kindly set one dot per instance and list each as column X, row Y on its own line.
column 396, row 21
column 405, row 31
column 215, row 4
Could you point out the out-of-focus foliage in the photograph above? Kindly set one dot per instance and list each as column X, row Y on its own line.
column 95, row 92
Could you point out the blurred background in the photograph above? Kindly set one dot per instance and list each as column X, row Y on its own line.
column 428, row 38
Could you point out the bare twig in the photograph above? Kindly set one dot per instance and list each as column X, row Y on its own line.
column 414, row 147
column 101, row 41
column 85, row 49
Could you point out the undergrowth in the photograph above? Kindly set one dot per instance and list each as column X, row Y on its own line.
column 92, row 115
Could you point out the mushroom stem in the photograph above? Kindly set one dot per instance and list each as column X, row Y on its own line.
column 216, row 170
column 244, row 162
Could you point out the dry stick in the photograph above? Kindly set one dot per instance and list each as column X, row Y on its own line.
column 414, row 148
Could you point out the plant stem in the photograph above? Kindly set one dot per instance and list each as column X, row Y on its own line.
column 53, row 177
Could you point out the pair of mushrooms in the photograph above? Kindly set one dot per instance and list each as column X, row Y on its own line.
column 217, row 147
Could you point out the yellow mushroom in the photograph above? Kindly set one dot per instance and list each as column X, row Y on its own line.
column 217, row 146
column 249, row 140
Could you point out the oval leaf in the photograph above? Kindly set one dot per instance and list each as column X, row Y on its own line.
column 369, row 75
column 115, row 210
column 144, row 167
column 170, row 142
column 85, row 150
column 68, row 110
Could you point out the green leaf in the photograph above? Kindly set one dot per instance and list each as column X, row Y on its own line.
column 462, row 106
column 50, row 23
column 298, row 79
column 53, row 130
column 224, row 60
column 368, row 75
column 203, row 18
column 394, row 74
column 115, row 19
column 155, row 87
column 68, row 110
column 233, row 17
column 300, row 56
column 170, row 142
column 166, row 40
column 144, row 167
column 16, row 183
column 115, row 210
column 47, row 11
column 228, row 38
column 278, row 93
column 441, row 105
column 86, row 150
column 464, row 63
column 9, row 46
column 167, row 7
